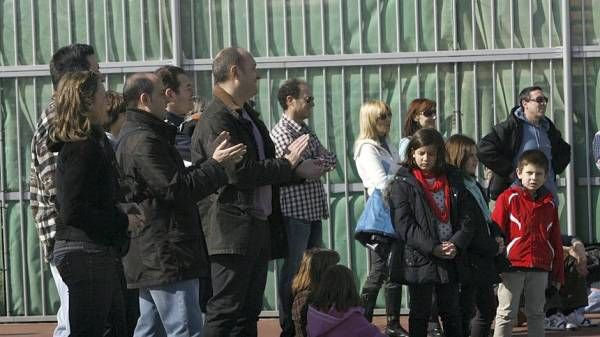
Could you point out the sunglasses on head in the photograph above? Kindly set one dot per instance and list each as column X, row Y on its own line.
column 539, row 99
column 309, row 99
column 429, row 113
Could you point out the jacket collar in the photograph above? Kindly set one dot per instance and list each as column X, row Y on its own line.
column 519, row 115
column 226, row 98
column 543, row 195
column 150, row 121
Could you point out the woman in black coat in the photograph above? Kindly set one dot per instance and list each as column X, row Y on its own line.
column 91, row 229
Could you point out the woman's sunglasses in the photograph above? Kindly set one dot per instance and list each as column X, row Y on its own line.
column 429, row 113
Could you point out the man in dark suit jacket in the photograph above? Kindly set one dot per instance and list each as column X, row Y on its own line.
column 242, row 222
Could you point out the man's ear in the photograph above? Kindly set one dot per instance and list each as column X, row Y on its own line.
column 170, row 94
column 518, row 172
column 145, row 99
column 233, row 71
column 288, row 101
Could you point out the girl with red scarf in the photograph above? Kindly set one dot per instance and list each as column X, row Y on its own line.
column 431, row 210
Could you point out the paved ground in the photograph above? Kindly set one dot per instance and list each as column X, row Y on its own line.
column 269, row 328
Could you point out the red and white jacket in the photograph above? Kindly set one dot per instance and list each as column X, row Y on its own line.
column 532, row 231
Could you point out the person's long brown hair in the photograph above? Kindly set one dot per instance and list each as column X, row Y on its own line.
column 337, row 290
column 415, row 107
column 314, row 263
column 74, row 99
column 458, row 148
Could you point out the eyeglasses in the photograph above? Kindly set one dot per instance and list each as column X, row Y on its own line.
column 309, row 99
column 539, row 99
column 429, row 113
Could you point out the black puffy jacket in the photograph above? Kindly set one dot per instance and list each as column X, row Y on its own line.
column 170, row 246
column 416, row 225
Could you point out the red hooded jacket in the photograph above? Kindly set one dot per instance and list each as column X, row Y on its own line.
column 532, row 231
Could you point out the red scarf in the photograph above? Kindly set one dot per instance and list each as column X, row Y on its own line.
column 440, row 182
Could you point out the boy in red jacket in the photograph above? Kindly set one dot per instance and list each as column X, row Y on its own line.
column 527, row 215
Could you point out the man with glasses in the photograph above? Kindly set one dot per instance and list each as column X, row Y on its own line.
column 526, row 128
column 303, row 204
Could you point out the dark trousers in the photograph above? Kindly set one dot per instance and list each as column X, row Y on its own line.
column 478, row 303
column 379, row 273
column 448, row 307
column 238, row 283
column 94, row 292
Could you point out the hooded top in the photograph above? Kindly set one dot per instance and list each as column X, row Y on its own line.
column 351, row 323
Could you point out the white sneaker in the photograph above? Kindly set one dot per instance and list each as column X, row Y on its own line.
column 555, row 322
column 577, row 318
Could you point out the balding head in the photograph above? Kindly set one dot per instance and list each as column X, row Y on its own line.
column 144, row 91
column 224, row 61
column 234, row 70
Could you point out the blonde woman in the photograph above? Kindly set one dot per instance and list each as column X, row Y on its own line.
column 377, row 162
column 91, row 228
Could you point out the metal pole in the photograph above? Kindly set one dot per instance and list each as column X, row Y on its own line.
column 176, row 32
column 567, row 82
column 3, row 218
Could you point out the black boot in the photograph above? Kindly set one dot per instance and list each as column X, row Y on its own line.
column 369, row 298
column 393, row 301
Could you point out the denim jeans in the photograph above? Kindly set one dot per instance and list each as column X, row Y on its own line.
column 172, row 310
column 594, row 301
column 92, row 277
column 301, row 235
column 62, row 316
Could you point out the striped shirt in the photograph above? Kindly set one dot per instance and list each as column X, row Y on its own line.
column 42, row 184
column 305, row 201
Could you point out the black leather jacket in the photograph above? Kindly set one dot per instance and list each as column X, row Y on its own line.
column 170, row 246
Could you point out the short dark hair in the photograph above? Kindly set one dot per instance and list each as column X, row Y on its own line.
column 135, row 86
column 428, row 137
column 168, row 75
column 68, row 59
column 534, row 157
column 116, row 106
column 224, row 60
column 290, row 87
column 524, row 94
column 337, row 290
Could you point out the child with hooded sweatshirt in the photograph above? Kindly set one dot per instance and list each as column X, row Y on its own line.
column 336, row 310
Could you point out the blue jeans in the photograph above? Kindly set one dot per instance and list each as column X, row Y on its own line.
column 301, row 235
column 172, row 310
